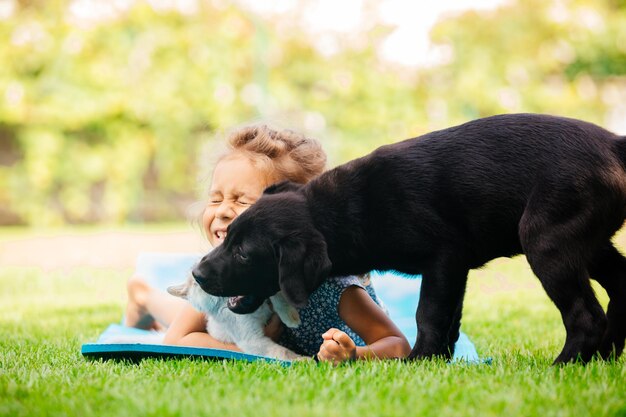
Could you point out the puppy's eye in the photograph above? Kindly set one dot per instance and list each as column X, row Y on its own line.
column 240, row 256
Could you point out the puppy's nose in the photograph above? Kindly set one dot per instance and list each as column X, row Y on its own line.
column 197, row 275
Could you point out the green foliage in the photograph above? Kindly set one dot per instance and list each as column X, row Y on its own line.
column 109, row 118
column 106, row 121
column 532, row 56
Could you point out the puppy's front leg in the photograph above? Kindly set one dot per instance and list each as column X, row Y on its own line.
column 438, row 313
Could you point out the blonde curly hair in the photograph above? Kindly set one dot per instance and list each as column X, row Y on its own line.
column 281, row 154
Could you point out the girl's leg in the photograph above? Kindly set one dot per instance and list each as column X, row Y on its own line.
column 149, row 307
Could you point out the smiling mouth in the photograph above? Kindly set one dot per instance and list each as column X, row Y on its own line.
column 220, row 235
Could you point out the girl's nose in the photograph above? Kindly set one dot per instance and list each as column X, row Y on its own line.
column 225, row 210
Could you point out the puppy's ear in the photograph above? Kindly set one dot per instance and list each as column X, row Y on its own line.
column 303, row 265
column 282, row 186
column 180, row 290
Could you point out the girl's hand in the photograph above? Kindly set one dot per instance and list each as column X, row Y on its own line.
column 337, row 347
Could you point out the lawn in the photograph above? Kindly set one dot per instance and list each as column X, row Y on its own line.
column 45, row 315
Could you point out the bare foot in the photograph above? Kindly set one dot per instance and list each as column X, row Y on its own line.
column 137, row 314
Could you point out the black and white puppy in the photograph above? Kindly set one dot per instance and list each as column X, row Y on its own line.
column 439, row 205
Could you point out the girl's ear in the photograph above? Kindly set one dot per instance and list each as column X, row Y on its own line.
column 302, row 267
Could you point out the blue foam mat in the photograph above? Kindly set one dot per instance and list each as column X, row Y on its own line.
column 136, row 351
column 399, row 294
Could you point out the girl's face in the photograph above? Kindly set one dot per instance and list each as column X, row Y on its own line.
column 236, row 185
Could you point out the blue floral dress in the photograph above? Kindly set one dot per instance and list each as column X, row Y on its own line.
column 321, row 313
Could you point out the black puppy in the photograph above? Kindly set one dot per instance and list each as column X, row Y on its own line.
column 442, row 204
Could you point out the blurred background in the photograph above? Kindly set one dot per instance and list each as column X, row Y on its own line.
column 110, row 110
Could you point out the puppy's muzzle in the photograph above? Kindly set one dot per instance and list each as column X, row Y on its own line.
column 197, row 276
column 204, row 283
column 242, row 304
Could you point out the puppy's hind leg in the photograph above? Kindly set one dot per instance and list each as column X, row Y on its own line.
column 438, row 312
column 557, row 254
column 608, row 267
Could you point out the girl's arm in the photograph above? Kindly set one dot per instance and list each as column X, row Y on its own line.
column 382, row 337
column 189, row 329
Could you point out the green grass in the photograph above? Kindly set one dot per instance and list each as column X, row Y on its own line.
column 46, row 316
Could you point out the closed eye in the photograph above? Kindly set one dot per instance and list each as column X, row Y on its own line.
column 240, row 256
column 215, row 199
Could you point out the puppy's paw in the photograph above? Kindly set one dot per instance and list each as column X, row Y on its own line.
column 303, row 359
column 285, row 354
column 292, row 356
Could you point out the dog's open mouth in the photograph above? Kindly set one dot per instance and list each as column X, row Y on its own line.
column 244, row 304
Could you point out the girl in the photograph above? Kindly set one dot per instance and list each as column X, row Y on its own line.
column 342, row 313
